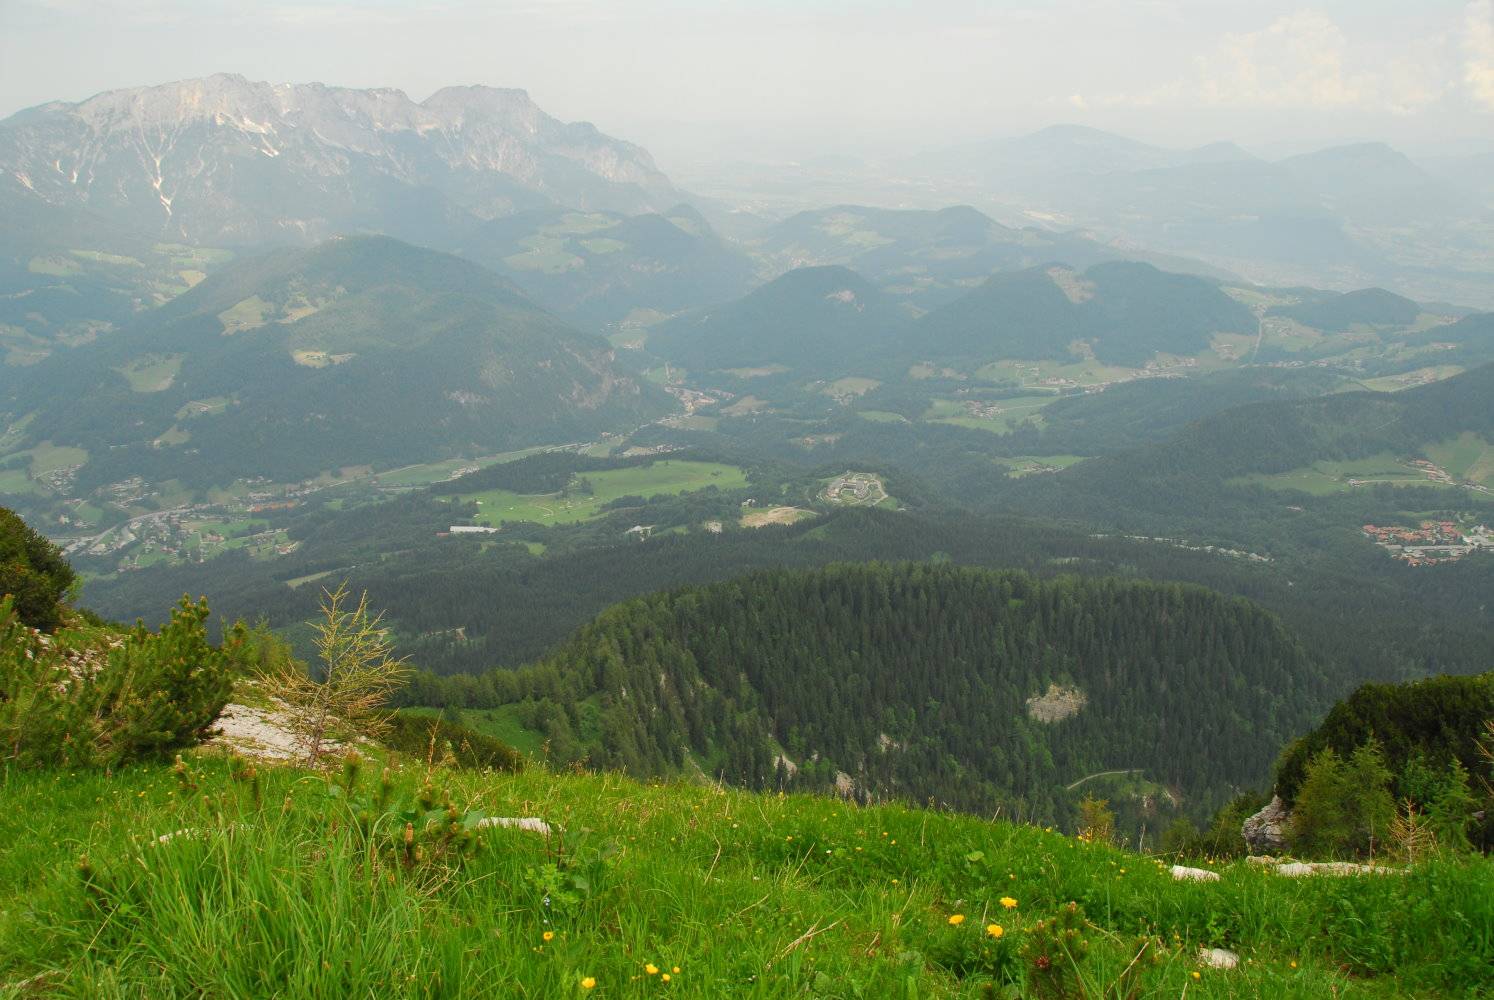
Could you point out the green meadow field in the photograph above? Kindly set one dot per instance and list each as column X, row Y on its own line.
column 668, row 477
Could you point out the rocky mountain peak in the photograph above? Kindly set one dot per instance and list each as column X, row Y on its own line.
column 223, row 160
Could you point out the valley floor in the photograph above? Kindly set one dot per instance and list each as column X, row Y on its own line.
column 136, row 884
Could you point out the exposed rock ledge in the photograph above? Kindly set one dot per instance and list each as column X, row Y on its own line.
column 1266, row 831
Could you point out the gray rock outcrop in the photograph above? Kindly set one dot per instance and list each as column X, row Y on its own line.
column 1266, row 831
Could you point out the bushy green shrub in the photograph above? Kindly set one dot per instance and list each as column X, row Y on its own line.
column 33, row 572
column 94, row 697
column 1344, row 806
column 425, row 735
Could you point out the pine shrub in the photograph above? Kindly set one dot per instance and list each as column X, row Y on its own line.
column 97, row 698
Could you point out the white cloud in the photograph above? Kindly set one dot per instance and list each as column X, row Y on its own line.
column 1298, row 61
column 1304, row 61
column 1478, row 46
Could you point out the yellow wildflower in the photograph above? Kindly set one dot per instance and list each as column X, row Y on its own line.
column 665, row 977
column 548, row 935
column 1008, row 902
column 957, row 919
column 994, row 930
column 589, row 983
column 676, row 970
column 651, row 969
column 1195, row 974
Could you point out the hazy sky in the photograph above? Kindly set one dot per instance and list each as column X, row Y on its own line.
column 696, row 79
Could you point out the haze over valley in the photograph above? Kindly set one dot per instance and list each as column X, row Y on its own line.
column 799, row 462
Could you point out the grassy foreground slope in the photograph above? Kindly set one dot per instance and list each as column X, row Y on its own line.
column 728, row 893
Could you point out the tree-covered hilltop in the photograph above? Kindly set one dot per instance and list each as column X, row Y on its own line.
column 1420, row 753
column 974, row 688
column 1439, row 719
column 1127, row 311
column 1333, row 312
column 811, row 317
column 1200, row 478
column 599, row 268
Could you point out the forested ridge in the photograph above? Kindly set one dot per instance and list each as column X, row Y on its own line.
column 362, row 350
column 914, row 680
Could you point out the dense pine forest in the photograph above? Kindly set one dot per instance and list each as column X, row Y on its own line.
column 975, row 689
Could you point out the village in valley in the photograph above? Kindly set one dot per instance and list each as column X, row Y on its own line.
column 1432, row 542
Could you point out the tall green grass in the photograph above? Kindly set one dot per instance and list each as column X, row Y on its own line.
column 748, row 895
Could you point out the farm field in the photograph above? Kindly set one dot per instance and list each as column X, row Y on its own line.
column 1411, row 379
column 1052, row 375
column 744, row 406
column 436, row 472
column 998, row 418
column 48, row 457
column 693, row 422
column 1323, row 478
column 844, row 389
column 16, row 482
column 774, row 515
column 203, row 407
column 663, row 478
column 761, row 372
column 153, row 373
column 1027, row 465
column 1467, row 457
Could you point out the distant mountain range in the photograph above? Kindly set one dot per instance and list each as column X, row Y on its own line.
column 831, row 320
column 1068, row 150
column 224, row 161
column 831, row 317
column 1342, row 217
column 932, row 257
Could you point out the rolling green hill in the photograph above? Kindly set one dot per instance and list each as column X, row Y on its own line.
column 1150, row 410
column 361, row 351
column 813, row 316
column 1124, row 312
column 604, row 269
column 1276, row 437
column 1333, row 313
column 68, row 276
column 920, row 681
column 1202, row 477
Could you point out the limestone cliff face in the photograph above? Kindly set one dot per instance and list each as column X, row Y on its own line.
column 227, row 161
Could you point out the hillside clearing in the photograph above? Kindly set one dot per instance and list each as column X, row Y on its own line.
column 774, row 515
